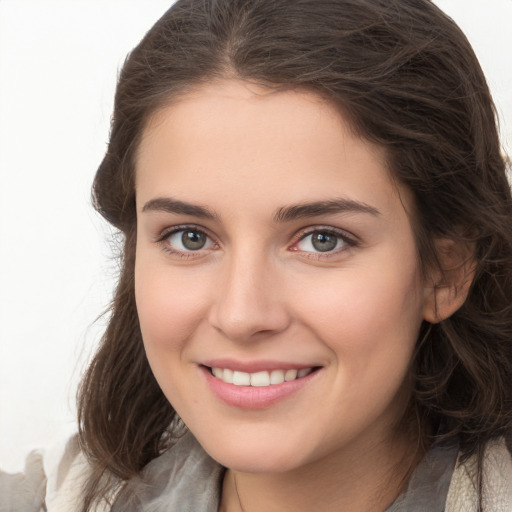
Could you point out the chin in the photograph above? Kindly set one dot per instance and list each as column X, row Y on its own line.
column 247, row 454
column 254, row 462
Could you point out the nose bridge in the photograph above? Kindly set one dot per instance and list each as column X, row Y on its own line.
column 248, row 299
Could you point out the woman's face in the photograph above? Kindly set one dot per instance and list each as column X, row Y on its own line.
column 277, row 279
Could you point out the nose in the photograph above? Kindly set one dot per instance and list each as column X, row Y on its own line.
column 250, row 302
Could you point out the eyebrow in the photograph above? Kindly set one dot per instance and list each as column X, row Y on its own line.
column 170, row 205
column 283, row 214
column 299, row 211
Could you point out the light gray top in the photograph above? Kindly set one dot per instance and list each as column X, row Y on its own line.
column 187, row 479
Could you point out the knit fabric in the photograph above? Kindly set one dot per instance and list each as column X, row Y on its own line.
column 496, row 485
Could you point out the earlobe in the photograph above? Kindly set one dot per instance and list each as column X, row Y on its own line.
column 449, row 285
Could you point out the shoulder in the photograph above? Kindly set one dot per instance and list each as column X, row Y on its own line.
column 24, row 492
column 496, row 485
column 67, row 470
column 52, row 481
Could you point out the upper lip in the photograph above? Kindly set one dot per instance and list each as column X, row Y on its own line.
column 255, row 366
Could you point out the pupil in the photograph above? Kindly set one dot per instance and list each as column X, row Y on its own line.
column 324, row 242
column 193, row 240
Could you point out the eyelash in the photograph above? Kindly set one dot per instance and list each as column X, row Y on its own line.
column 167, row 247
column 347, row 240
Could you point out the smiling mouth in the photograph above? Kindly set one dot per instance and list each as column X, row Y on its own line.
column 260, row 379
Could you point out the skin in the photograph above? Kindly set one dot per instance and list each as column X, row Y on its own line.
column 259, row 290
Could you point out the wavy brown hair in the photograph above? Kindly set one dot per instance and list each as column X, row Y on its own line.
column 408, row 80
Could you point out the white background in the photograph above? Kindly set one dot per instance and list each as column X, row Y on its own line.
column 58, row 66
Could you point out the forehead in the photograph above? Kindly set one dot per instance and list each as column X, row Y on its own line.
column 233, row 138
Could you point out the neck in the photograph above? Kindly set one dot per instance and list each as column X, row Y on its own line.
column 362, row 479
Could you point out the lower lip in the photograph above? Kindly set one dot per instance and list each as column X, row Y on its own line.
column 255, row 397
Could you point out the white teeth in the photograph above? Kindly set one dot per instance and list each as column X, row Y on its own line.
column 259, row 379
column 290, row 375
column 277, row 377
column 241, row 379
column 228, row 375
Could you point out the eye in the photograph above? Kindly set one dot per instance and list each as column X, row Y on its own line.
column 322, row 241
column 188, row 240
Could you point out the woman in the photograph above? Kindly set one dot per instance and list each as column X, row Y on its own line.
column 313, row 311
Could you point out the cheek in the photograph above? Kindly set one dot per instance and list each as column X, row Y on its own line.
column 170, row 305
column 370, row 323
column 366, row 312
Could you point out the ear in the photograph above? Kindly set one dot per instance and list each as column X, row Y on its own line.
column 447, row 287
